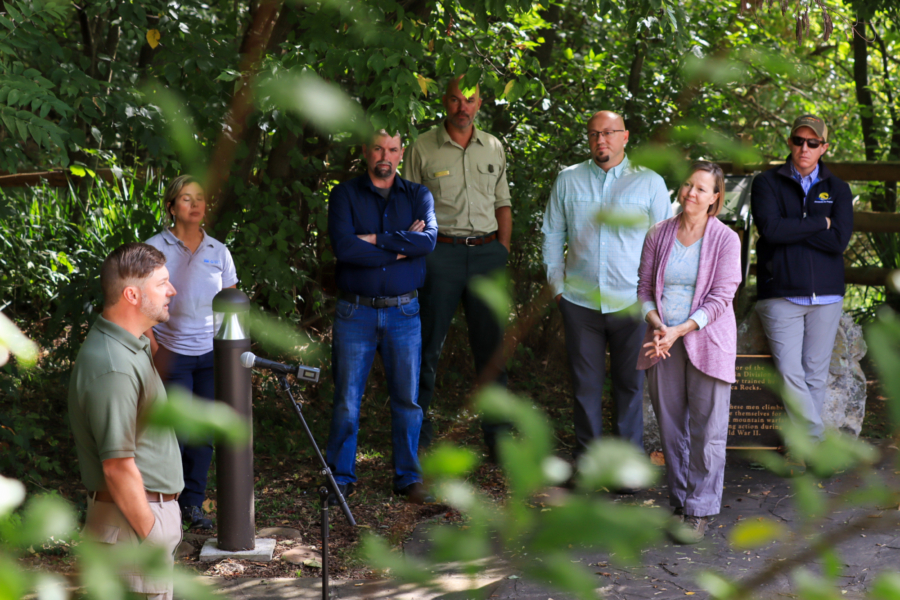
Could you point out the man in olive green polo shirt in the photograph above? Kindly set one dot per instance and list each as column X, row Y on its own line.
column 465, row 169
column 133, row 473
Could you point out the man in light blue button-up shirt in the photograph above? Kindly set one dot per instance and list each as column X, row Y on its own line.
column 595, row 282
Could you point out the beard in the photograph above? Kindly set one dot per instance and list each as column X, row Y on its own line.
column 156, row 312
column 383, row 170
column 601, row 158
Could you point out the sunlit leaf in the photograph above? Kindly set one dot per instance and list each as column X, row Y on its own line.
column 613, row 464
column 12, row 493
column 51, row 587
column 44, row 517
column 14, row 341
column 753, row 533
column 153, row 37
column 446, row 460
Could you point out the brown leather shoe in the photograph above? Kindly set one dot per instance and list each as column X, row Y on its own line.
column 415, row 493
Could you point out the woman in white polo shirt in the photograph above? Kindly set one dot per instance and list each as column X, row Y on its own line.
column 199, row 268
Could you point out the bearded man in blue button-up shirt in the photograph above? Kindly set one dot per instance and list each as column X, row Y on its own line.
column 381, row 227
column 595, row 282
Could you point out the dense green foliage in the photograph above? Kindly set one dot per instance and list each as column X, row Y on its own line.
column 83, row 85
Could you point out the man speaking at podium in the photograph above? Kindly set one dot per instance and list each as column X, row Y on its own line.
column 381, row 227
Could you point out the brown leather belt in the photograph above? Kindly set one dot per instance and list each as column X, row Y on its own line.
column 472, row 240
column 105, row 496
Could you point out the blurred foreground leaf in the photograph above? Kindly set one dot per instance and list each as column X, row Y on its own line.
column 14, row 341
column 446, row 460
column 12, row 492
column 717, row 585
column 620, row 216
column 614, row 464
column 883, row 339
column 323, row 104
column 753, row 533
column 886, row 587
column 179, row 127
column 44, row 517
column 493, row 291
column 379, row 555
column 197, row 420
column 280, row 337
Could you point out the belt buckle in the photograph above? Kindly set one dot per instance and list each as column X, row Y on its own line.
column 471, row 237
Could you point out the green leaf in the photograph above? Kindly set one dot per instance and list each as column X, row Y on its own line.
column 717, row 585
column 754, row 533
column 199, row 419
column 12, row 493
column 886, row 586
column 492, row 290
column 446, row 460
column 13, row 341
column 613, row 464
column 323, row 104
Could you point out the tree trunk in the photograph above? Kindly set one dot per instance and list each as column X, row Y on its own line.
column 633, row 121
column 863, row 93
column 544, row 52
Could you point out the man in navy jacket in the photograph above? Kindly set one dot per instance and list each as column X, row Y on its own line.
column 804, row 215
column 381, row 228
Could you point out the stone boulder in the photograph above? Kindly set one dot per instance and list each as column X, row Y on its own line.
column 845, row 402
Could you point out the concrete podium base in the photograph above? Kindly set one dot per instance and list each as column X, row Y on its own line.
column 265, row 548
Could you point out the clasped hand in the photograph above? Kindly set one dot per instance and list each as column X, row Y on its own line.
column 663, row 338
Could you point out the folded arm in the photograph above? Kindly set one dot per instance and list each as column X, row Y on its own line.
column 775, row 228
column 837, row 236
column 347, row 246
column 421, row 236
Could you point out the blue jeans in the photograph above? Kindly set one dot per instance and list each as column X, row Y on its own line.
column 360, row 331
column 195, row 375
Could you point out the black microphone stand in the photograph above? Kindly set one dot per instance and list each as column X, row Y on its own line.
column 323, row 491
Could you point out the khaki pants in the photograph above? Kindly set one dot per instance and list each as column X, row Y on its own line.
column 106, row 524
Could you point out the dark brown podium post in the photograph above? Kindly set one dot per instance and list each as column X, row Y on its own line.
column 234, row 464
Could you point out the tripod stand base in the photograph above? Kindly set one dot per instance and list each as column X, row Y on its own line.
column 263, row 552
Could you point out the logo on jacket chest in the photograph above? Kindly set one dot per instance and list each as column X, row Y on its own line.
column 823, row 198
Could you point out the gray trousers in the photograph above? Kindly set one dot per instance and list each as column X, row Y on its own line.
column 587, row 334
column 692, row 409
column 801, row 339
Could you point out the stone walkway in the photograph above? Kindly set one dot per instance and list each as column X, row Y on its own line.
column 869, row 544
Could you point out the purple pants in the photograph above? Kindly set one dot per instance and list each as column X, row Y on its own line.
column 692, row 410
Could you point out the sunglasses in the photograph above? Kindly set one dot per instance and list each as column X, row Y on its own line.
column 799, row 141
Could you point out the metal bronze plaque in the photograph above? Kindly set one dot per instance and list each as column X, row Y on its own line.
column 756, row 410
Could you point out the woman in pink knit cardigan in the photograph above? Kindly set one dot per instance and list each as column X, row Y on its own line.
column 690, row 270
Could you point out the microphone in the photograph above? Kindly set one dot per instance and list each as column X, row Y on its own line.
column 250, row 360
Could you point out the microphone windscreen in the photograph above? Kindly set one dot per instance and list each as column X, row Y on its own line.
column 247, row 359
